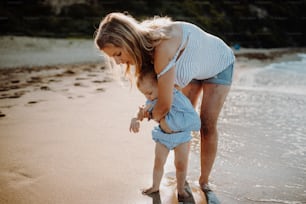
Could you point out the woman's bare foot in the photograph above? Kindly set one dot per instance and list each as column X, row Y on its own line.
column 150, row 191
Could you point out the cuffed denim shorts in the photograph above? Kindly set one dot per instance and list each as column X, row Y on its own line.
column 224, row 78
column 170, row 140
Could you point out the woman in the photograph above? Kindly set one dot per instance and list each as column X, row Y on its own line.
column 184, row 56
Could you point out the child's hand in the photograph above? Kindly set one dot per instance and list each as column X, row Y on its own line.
column 141, row 113
column 135, row 125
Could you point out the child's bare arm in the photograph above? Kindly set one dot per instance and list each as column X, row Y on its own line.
column 135, row 122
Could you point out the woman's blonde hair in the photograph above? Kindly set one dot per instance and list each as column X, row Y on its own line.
column 138, row 38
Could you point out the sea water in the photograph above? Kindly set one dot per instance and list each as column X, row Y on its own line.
column 262, row 137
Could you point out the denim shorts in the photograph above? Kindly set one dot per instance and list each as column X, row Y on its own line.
column 170, row 140
column 224, row 78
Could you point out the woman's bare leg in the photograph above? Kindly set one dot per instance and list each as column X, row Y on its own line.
column 161, row 154
column 213, row 99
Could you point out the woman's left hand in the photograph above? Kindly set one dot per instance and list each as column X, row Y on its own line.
column 146, row 112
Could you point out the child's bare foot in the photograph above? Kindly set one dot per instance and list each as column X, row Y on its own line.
column 183, row 196
column 150, row 191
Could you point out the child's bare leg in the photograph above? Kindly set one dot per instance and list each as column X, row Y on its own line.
column 161, row 154
column 181, row 155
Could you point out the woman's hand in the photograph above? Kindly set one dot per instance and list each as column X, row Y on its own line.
column 144, row 112
column 147, row 111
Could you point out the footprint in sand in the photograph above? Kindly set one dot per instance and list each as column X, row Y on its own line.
column 54, row 80
column 81, row 78
column 16, row 94
column 100, row 89
column 79, row 84
column 97, row 81
column 105, row 80
column 34, row 79
column 15, row 81
column 2, row 115
column 34, row 102
column 18, row 177
column 45, row 88
column 69, row 72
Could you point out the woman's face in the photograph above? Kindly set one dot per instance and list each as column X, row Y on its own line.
column 120, row 55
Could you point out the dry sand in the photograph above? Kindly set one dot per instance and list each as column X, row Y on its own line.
column 64, row 127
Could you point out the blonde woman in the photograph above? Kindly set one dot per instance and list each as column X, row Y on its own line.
column 184, row 56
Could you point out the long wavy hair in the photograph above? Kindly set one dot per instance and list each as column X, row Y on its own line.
column 138, row 38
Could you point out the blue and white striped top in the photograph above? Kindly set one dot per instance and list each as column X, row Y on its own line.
column 203, row 56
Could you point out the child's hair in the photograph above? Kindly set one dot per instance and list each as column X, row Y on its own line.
column 147, row 73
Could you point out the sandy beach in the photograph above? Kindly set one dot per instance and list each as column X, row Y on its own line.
column 64, row 120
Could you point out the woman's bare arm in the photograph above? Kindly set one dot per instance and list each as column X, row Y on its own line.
column 163, row 54
column 165, row 94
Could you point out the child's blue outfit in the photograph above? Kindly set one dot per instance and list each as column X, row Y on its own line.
column 181, row 119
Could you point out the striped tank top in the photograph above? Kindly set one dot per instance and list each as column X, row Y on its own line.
column 203, row 56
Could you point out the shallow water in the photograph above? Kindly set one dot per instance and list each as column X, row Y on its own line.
column 262, row 145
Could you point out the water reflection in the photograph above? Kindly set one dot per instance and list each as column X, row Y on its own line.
column 262, row 138
column 155, row 198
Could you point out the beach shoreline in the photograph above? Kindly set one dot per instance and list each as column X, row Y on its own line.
column 17, row 52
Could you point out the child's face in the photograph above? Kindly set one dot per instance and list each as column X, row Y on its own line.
column 149, row 89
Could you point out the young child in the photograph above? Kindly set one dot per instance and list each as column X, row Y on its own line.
column 173, row 131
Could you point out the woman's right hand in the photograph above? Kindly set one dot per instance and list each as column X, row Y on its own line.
column 144, row 112
column 147, row 111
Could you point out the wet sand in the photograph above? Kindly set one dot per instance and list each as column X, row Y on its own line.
column 64, row 131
